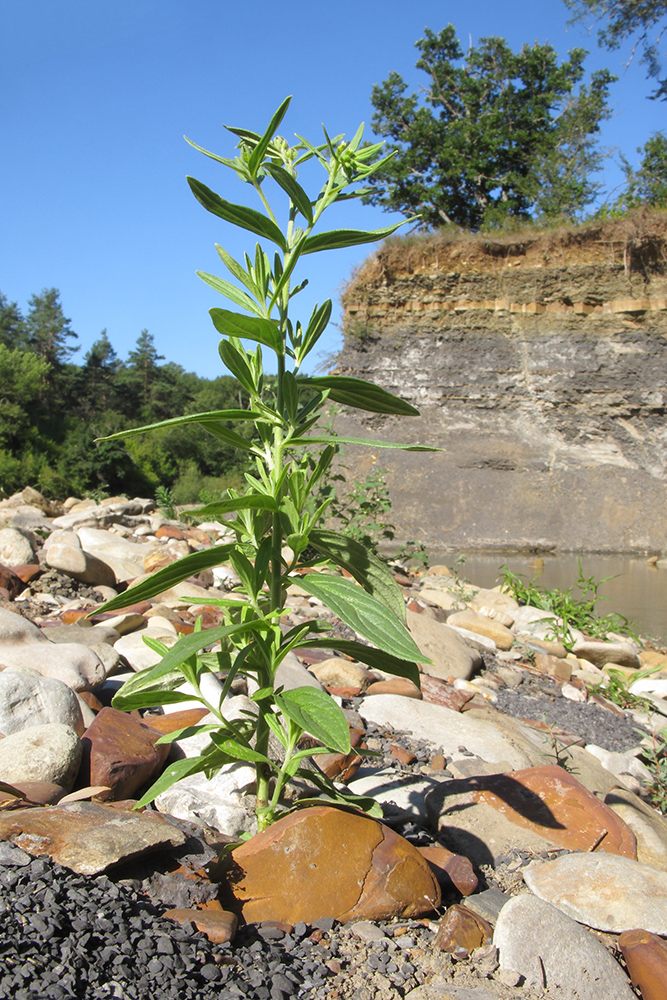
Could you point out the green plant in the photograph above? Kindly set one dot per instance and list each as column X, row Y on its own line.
column 560, row 752
column 655, row 758
column 572, row 611
column 278, row 513
column 164, row 498
column 618, row 688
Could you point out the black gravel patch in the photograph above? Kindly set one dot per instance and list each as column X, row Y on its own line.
column 64, row 935
column 544, row 702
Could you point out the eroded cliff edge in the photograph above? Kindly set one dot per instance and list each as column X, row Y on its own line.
column 539, row 363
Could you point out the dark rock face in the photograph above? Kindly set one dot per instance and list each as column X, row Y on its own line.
column 540, row 367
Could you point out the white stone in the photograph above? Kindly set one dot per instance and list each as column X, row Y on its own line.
column 140, row 656
column 125, row 558
column 79, row 667
column 42, row 753
column 653, row 685
column 548, row 948
column 625, row 766
column 399, row 794
column 604, row 891
column 15, row 549
column 28, row 699
column 450, row 654
column 63, row 552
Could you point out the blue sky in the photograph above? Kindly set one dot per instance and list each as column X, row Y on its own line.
column 95, row 98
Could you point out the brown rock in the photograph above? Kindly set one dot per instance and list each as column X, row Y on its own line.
column 327, row 862
column 41, row 793
column 439, row 692
column 219, row 926
column 10, row 582
column 172, row 721
column 397, row 685
column 461, row 929
column 402, row 755
column 340, row 766
column 91, row 701
column 171, row 531
column 120, row 752
column 27, row 572
column 645, row 955
column 554, row 666
column 88, row 837
column 453, row 871
column 159, row 558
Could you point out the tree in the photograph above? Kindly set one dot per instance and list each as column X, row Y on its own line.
column 648, row 184
column 142, row 364
column 99, row 369
column 496, row 135
column 48, row 330
column 12, row 324
column 625, row 19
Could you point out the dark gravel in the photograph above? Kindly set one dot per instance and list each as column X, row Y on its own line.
column 541, row 700
column 64, row 935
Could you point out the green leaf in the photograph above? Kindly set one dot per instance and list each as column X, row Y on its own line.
column 369, row 655
column 368, row 569
column 292, row 188
column 333, row 441
column 291, row 395
column 316, row 326
column 190, row 418
column 238, row 215
column 252, row 501
column 173, row 773
column 233, row 357
column 234, row 294
column 337, row 239
column 316, row 713
column 361, row 394
column 232, row 324
column 227, row 435
column 260, row 149
column 238, row 750
column 165, row 579
column 363, row 613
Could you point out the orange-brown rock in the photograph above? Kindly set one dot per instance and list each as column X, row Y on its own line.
column 554, row 666
column 130, row 609
column 27, row 572
column 172, row 721
column 397, row 685
column 552, row 802
column 439, row 692
column 41, row 793
column 159, row 558
column 72, row 617
column 328, row 862
column 218, row 925
column 171, row 531
column 120, row 752
column 402, row 755
column 454, row 872
column 91, row 701
column 462, row 930
column 645, row 955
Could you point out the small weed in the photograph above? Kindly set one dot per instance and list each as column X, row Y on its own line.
column 461, row 588
column 164, row 498
column 99, row 494
column 655, row 758
column 618, row 688
column 560, row 752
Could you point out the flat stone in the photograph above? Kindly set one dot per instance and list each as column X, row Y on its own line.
column 461, row 929
column 601, row 653
column 645, row 955
column 32, row 700
column 402, row 686
column 81, row 635
column 542, row 944
column 452, row 656
column 327, row 862
column 121, row 753
column 649, row 828
column 88, row 837
column 399, row 794
column 63, row 551
column 292, row 674
column 518, row 745
column 474, row 622
column 50, row 753
column 77, row 666
column 495, row 599
column 10, row 582
column 439, row 692
column 604, row 891
column 626, row 767
column 125, row 558
column 488, row 903
column 140, row 656
column 443, row 990
column 553, row 666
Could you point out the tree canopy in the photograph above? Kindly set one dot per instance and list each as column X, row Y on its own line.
column 630, row 19
column 496, row 134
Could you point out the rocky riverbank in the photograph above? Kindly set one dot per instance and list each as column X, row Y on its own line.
column 519, row 855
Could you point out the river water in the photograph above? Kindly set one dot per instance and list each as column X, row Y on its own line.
column 637, row 590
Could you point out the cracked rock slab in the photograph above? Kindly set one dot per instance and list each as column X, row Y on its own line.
column 88, row 837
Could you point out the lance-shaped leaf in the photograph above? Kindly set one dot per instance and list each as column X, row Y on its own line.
column 316, row 713
column 238, row 215
column 232, row 324
column 316, row 326
column 361, row 394
column 368, row 569
column 234, row 359
column 173, row 773
column 228, row 436
column 190, row 418
column 260, row 149
column 168, row 577
column 231, row 292
column 336, row 239
column 369, row 655
column 298, row 441
column 363, row 613
column 253, row 501
column 292, row 188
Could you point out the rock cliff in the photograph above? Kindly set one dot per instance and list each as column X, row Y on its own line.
column 539, row 365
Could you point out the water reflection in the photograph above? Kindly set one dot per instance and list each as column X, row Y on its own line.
column 638, row 590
